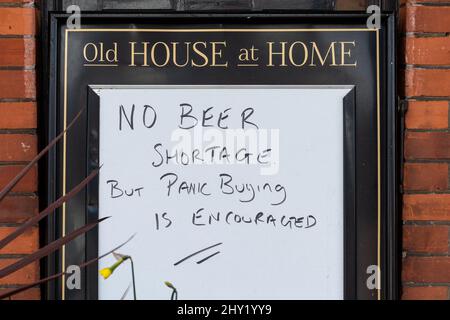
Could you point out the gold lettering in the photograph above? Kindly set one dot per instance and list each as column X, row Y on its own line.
column 201, row 54
column 85, row 49
column 217, row 53
column 175, row 53
column 253, row 51
column 315, row 49
column 243, row 55
column 305, row 53
column 112, row 52
column 134, row 53
column 153, row 57
column 272, row 53
column 101, row 52
column 347, row 53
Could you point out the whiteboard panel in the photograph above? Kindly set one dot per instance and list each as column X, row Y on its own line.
column 271, row 222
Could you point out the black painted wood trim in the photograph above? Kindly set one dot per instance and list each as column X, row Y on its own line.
column 47, row 129
column 349, row 135
column 222, row 5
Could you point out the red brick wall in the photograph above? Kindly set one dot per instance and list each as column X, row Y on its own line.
column 426, row 210
column 425, row 56
column 18, row 140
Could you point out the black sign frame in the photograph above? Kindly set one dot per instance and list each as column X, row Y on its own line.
column 387, row 131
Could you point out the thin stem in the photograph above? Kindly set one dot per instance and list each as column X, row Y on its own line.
column 132, row 274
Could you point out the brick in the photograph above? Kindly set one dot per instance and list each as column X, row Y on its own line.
column 402, row 19
column 425, row 239
column 27, row 274
column 17, row 21
column 427, row 18
column 26, row 243
column 30, row 294
column 18, row 209
column 426, row 176
column 427, row 145
column 17, row 147
column 27, row 184
column 422, row 207
column 427, row 82
column 427, row 115
column 18, row 115
column 423, row 1
column 17, row 52
column 427, row 51
column 17, row 84
column 426, row 269
column 425, row 293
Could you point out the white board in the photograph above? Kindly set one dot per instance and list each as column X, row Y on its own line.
column 302, row 126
